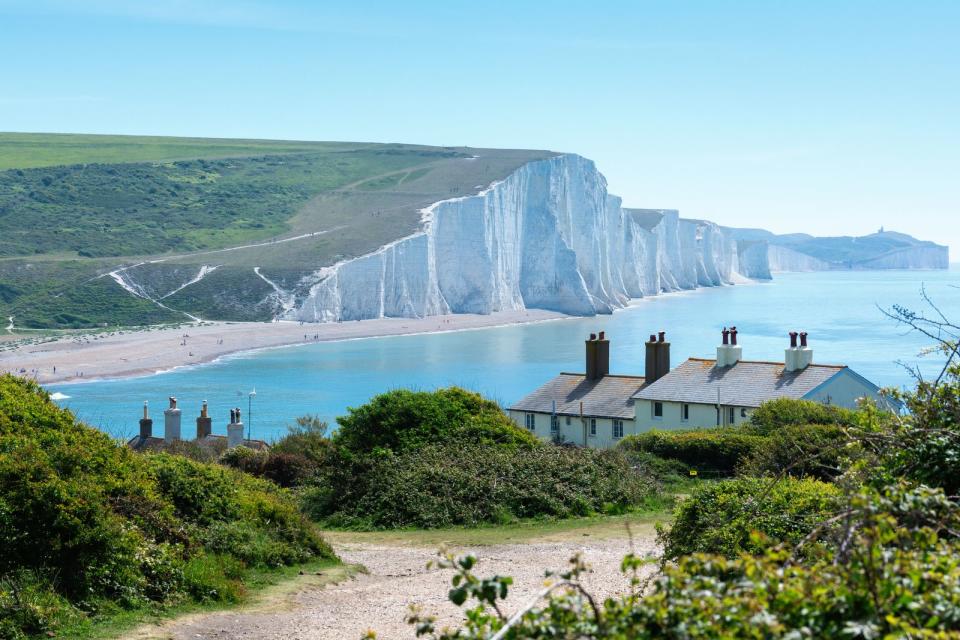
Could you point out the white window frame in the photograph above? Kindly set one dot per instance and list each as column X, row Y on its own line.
column 554, row 423
column 617, row 429
column 653, row 410
column 530, row 420
column 685, row 412
column 593, row 427
column 732, row 415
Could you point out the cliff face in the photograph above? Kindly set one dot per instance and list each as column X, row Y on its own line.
column 785, row 259
column 549, row 236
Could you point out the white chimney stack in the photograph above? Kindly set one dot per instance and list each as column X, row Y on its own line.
column 171, row 422
column 235, row 429
column 729, row 353
column 797, row 357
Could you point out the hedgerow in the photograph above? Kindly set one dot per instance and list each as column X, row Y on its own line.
column 713, row 451
column 470, row 484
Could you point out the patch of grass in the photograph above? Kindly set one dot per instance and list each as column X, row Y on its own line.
column 641, row 524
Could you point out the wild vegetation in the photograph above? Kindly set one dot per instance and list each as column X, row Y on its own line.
column 440, row 459
column 90, row 529
column 873, row 554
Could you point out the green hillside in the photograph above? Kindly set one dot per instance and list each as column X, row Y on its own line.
column 91, row 530
column 73, row 208
column 30, row 150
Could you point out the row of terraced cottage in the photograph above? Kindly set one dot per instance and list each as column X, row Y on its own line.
column 597, row 408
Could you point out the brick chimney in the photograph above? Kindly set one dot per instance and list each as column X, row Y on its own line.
column 171, row 422
column 235, row 429
column 146, row 424
column 597, row 356
column 204, row 423
column 657, row 357
column 729, row 352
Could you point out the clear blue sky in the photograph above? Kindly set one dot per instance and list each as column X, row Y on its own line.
column 827, row 117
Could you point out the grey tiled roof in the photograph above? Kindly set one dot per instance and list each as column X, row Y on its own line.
column 154, row 443
column 608, row 397
column 745, row 384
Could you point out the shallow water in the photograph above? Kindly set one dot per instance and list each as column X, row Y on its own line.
column 838, row 309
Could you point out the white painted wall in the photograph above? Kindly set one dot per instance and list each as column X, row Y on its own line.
column 843, row 390
column 572, row 429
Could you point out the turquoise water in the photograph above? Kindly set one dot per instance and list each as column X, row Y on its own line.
column 839, row 310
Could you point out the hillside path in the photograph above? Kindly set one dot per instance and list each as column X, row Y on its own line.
column 398, row 577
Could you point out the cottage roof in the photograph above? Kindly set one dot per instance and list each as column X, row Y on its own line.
column 214, row 441
column 608, row 397
column 744, row 384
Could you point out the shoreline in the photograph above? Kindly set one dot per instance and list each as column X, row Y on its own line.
column 132, row 353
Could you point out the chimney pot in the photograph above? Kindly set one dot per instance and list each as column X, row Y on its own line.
column 146, row 424
column 733, row 336
column 653, row 338
column 803, row 338
column 171, row 422
column 234, row 429
column 793, row 339
column 602, row 334
column 204, row 423
column 663, row 336
column 593, row 336
column 726, row 336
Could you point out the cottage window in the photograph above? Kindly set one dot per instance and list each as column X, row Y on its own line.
column 732, row 415
column 531, row 421
column 554, row 423
column 685, row 412
column 743, row 413
column 568, row 421
column 617, row 429
column 657, row 409
column 593, row 426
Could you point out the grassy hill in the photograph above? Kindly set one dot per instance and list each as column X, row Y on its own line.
column 73, row 208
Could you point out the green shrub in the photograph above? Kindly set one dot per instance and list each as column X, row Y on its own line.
column 99, row 523
column 897, row 579
column 783, row 412
column 721, row 517
column 403, row 420
column 469, row 484
column 718, row 450
column 813, row 450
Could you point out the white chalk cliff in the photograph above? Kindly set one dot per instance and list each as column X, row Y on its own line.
column 549, row 236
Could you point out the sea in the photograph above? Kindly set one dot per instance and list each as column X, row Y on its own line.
column 843, row 312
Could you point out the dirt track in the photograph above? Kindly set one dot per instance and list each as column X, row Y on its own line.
column 397, row 578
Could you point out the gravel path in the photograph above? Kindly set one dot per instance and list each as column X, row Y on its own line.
column 397, row 578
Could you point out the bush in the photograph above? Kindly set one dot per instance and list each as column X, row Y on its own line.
column 773, row 415
column 718, row 450
column 721, row 517
column 404, row 420
column 470, row 484
column 113, row 525
column 814, row 451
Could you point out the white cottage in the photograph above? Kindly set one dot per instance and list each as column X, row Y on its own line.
column 596, row 409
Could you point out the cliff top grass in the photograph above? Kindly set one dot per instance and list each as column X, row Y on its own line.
column 32, row 150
